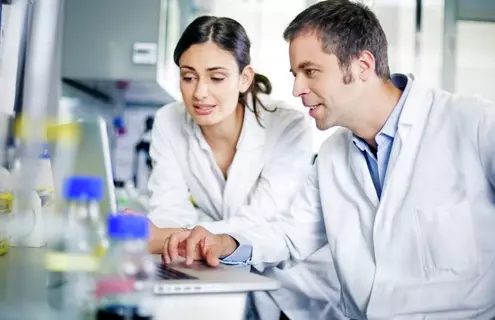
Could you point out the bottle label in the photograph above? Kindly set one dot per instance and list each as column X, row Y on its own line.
column 114, row 286
column 59, row 261
column 5, row 212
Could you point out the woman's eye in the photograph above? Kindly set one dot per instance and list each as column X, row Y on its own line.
column 187, row 79
column 216, row 79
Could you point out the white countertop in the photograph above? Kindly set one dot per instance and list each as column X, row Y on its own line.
column 23, row 294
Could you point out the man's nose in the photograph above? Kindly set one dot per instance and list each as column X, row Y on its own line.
column 300, row 87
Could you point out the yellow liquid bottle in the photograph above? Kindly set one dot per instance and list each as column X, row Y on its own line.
column 5, row 215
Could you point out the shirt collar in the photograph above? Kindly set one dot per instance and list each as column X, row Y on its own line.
column 390, row 127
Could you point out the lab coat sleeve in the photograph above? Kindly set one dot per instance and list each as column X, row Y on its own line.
column 296, row 234
column 486, row 138
column 282, row 176
column 169, row 202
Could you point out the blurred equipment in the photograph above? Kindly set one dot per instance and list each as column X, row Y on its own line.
column 42, row 198
column 88, row 157
column 75, row 249
column 143, row 147
column 5, row 209
column 124, row 284
column 137, row 56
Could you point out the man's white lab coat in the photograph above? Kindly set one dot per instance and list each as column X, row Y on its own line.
column 271, row 164
column 426, row 250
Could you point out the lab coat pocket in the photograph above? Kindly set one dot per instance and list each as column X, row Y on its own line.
column 447, row 242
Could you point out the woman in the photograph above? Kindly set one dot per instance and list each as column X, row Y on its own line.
column 227, row 157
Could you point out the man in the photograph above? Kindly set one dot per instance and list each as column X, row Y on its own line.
column 403, row 193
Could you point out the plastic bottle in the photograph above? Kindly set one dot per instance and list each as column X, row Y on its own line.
column 73, row 256
column 124, row 284
column 5, row 209
column 44, row 181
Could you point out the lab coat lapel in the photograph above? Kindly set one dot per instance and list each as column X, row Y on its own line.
column 361, row 172
column 199, row 165
column 412, row 123
column 247, row 164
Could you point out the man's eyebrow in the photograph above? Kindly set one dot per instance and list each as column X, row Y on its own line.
column 303, row 65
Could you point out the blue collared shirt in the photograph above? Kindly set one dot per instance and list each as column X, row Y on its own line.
column 377, row 165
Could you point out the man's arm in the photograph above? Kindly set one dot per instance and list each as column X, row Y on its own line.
column 291, row 238
column 486, row 138
column 298, row 233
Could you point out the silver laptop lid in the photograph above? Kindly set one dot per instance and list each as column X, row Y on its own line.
column 91, row 156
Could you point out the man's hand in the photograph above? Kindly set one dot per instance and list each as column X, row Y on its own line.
column 198, row 244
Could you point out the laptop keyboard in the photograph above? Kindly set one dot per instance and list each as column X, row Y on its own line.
column 164, row 272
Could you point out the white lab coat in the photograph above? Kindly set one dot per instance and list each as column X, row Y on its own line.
column 427, row 249
column 269, row 167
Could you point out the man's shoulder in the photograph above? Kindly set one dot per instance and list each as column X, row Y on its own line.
column 460, row 110
column 336, row 142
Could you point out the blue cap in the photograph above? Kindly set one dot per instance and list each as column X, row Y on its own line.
column 127, row 226
column 83, row 188
column 44, row 152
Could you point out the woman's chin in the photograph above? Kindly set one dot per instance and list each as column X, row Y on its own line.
column 205, row 120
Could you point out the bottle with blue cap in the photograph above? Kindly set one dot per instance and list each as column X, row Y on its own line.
column 72, row 258
column 124, row 284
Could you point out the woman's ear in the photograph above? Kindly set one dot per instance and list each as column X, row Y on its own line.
column 247, row 77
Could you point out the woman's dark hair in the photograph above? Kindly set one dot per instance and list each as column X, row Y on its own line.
column 229, row 35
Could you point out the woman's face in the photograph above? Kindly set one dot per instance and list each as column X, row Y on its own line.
column 210, row 83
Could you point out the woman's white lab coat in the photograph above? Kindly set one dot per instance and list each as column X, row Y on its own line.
column 271, row 163
column 427, row 249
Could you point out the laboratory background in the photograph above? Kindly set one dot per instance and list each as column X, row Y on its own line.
column 110, row 63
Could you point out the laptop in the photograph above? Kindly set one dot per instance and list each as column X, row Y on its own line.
column 177, row 278
column 92, row 157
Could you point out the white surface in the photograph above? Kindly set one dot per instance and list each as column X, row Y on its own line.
column 475, row 65
column 23, row 295
column 145, row 53
column 12, row 27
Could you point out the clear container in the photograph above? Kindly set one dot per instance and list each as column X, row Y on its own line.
column 6, row 198
column 5, row 216
column 125, row 282
column 73, row 254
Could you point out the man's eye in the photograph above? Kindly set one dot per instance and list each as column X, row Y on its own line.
column 310, row 72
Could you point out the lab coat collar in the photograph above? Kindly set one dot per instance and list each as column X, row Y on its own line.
column 244, row 167
column 252, row 133
column 411, row 123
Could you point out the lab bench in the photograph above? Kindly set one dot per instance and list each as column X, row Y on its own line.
column 23, row 294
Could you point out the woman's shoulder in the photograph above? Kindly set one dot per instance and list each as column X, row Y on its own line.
column 171, row 112
column 173, row 119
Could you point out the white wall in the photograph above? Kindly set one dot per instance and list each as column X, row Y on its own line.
column 475, row 63
column 265, row 22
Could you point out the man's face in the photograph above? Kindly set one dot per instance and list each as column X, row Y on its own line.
column 319, row 81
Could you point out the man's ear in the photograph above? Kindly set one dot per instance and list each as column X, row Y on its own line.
column 247, row 77
column 367, row 65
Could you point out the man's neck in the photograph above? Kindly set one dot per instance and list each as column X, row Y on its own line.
column 226, row 132
column 373, row 113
